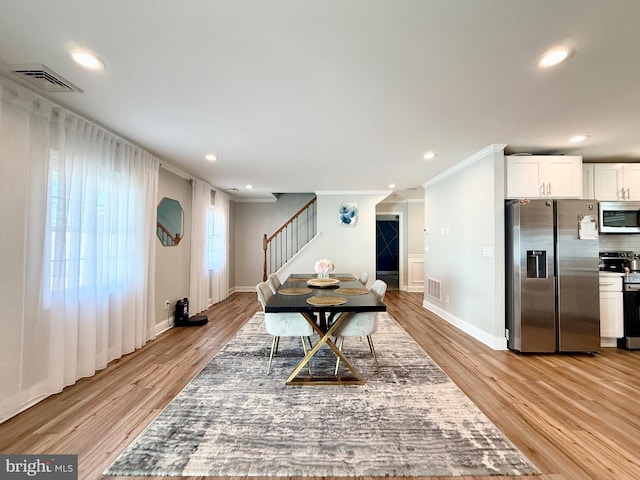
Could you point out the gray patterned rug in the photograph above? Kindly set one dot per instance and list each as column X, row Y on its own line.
column 234, row 420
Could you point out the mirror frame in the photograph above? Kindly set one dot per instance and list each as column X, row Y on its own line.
column 169, row 222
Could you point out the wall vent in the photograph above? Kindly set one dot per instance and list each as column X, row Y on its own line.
column 43, row 78
column 434, row 288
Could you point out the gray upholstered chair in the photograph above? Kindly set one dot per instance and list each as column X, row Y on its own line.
column 274, row 282
column 282, row 324
column 363, row 324
column 364, row 278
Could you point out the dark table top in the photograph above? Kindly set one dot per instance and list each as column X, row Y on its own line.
column 298, row 303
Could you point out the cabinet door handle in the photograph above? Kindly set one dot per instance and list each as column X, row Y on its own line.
column 541, row 190
column 549, row 189
column 621, row 194
column 628, row 193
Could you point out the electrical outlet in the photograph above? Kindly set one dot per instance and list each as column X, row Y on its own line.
column 167, row 304
column 446, row 299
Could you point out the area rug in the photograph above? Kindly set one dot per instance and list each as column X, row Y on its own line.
column 233, row 419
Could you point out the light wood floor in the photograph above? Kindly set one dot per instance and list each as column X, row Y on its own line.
column 574, row 417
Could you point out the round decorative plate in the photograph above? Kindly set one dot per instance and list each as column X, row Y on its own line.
column 300, row 278
column 345, row 279
column 323, row 282
column 294, row 291
column 325, row 301
column 352, row 291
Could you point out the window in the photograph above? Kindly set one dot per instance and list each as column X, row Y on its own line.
column 90, row 222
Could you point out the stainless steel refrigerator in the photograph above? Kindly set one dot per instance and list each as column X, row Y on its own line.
column 552, row 278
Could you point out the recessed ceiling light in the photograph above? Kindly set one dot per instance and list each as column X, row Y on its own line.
column 554, row 57
column 429, row 155
column 578, row 138
column 87, row 60
column 392, row 185
column 211, row 157
column 248, row 186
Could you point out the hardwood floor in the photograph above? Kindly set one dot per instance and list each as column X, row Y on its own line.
column 574, row 416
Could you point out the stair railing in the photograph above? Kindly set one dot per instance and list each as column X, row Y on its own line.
column 166, row 237
column 294, row 234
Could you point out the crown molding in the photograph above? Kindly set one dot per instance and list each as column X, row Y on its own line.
column 497, row 147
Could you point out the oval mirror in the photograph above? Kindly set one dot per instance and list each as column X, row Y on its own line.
column 170, row 222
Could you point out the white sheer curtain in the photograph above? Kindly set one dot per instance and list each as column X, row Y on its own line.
column 199, row 272
column 78, row 255
column 220, row 261
column 209, row 279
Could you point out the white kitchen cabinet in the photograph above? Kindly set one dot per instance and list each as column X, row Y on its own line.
column 544, row 176
column 611, row 309
column 587, row 180
column 617, row 181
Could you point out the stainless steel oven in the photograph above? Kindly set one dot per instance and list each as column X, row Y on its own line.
column 619, row 217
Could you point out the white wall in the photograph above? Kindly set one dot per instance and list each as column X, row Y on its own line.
column 464, row 217
column 172, row 263
column 415, row 227
column 412, row 235
column 252, row 221
column 352, row 249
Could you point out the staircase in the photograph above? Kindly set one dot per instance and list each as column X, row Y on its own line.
column 294, row 234
column 166, row 237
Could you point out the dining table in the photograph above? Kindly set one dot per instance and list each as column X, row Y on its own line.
column 326, row 303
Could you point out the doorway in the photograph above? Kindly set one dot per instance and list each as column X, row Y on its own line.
column 388, row 250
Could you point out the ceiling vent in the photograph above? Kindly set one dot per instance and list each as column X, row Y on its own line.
column 44, row 78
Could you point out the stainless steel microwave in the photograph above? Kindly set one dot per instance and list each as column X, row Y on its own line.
column 619, row 217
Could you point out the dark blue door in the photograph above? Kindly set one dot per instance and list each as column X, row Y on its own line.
column 387, row 246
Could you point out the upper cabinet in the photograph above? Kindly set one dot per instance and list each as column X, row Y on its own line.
column 616, row 181
column 587, row 180
column 544, row 176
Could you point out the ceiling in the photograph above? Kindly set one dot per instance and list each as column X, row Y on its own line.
column 333, row 95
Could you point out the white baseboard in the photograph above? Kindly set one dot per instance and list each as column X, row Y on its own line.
column 608, row 342
column 164, row 325
column 251, row 288
column 496, row 343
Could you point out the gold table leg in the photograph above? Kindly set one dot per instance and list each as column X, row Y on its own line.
column 356, row 379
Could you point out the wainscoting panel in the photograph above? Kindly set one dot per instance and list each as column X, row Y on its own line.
column 416, row 272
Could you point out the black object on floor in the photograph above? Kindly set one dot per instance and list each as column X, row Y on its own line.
column 182, row 318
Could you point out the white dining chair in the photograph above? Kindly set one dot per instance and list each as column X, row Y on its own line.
column 379, row 288
column 282, row 324
column 364, row 278
column 362, row 324
column 274, row 282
